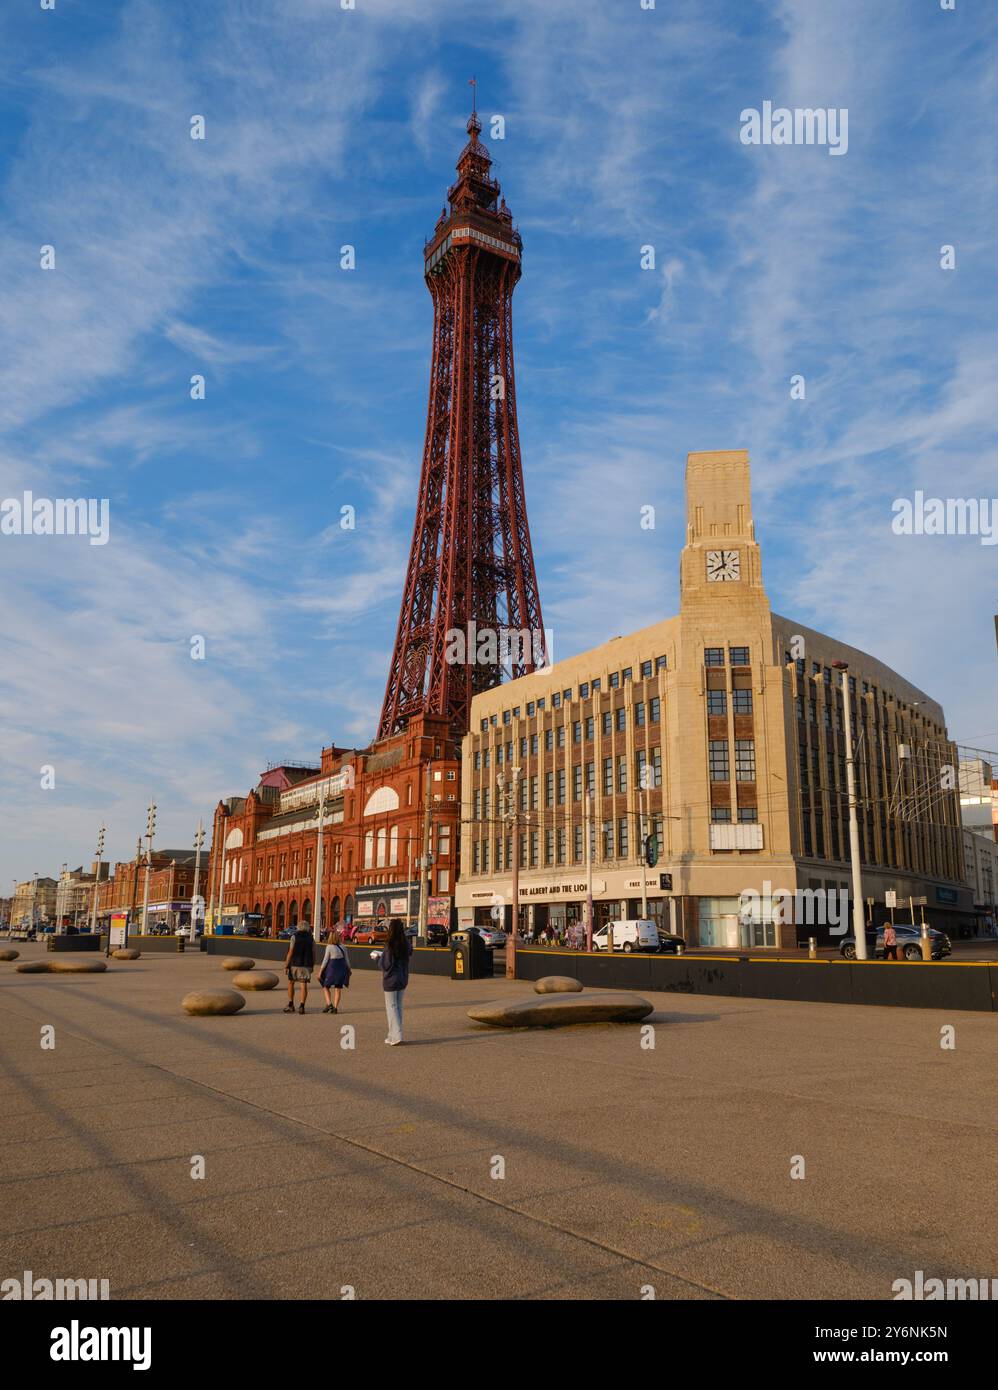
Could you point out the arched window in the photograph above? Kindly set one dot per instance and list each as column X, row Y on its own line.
column 348, row 907
column 306, row 912
column 268, row 917
column 334, row 910
column 280, row 916
column 382, row 840
column 369, row 849
column 256, row 908
column 293, row 913
column 393, row 852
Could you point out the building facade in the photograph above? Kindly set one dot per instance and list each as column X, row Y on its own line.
column 383, row 806
column 35, row 902
column 720, row 734
column 980, row 851
column 171, row 887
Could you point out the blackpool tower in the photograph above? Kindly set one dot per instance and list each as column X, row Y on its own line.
column 471, row 567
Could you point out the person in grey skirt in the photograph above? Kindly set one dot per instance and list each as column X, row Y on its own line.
column 299, row 964
column 334, row 973
column 394, row 962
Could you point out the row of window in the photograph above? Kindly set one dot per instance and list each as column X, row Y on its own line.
column 717, row 701
column 714, row 656
column 613, row 842
column 718, row 759
column 648, row 774
column 583, row 731
column 614, row 681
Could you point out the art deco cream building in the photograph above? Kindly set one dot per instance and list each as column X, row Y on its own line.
column 733, row 720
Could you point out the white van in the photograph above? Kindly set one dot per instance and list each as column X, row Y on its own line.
column 640, row 934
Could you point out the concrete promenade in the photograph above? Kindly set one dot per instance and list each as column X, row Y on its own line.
column 371, row 1168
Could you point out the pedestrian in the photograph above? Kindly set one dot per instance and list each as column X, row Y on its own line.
column 335, row 972
column 299, row 964
column 394, row 963
column 890, row 942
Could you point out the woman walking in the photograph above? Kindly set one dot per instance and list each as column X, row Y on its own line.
column 395, row 976
column 335, row 972
column 298, row 964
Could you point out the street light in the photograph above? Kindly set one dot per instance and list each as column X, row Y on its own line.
column 150, row 832
column 511, row 814
column 195, row 904
column 858, row 918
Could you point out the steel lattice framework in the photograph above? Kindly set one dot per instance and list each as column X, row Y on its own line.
column 471, row 566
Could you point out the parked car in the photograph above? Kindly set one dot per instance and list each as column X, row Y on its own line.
column 370, row 936
column 637, row 934
column 492, row 936
column 669, row 942
column 909, row 940
column 285, row 934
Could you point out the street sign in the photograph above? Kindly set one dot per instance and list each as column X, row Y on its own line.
column 890, row 898
column 651, row 850
column 665, row 881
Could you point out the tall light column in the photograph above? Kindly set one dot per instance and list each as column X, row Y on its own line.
column 317, row 904
column 150, row 832
column 426, row 861
column 589, row 873
column 858, row 916
column 198, row 842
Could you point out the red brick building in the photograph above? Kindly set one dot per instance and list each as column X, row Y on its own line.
column 263, row 852
column 171, row 886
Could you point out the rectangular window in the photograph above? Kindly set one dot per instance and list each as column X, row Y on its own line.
column 561, row 735
column 549, row 789
column 720, row 815
column 577, row 731
column 597, row 684
column 639, row 714
column 549, row 739
column 622, row 837
column 621, row 720
column 622, row 774
column 607, row 722
column 654, row 709
column 745, row 760
column 608, row 839
column 523, row 747
column 590, row 727
column 591, row 778
column 746, row 815
column 561, row 786
column 627, row 673
column 478, row 761
column 549, row 847
column 738, row 656
column 534, row 793
column 615, row 681
column 718, row 754
column 505, row 716
column 530, row 709
column 713, row 656
column 646, row 669
column 656, row 763
column 660, row 663
column 741, row 701
column 562, row 845
column 475, row 856
column 608, row 777
column 584, row 691
column 577, row 782
column 535, row 839
column 717, row 702
column 556, row 700
column 534, row 744
column 577, row 842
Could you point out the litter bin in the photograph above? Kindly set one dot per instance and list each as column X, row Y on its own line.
column 470, row 958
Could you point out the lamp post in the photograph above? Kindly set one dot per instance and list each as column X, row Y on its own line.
column 93, row 916
column 317, row 904
column 195, row 904
column 589, row 874
column 150, row 832
column 858, row 920
column 426, row 861
column 644, row 853
column 511, row 814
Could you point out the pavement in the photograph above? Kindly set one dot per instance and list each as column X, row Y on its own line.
column 474, row 1163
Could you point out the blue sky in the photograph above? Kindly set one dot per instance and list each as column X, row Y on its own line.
column 221, row 257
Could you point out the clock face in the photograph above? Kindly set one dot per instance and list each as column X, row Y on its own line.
column 723, row 566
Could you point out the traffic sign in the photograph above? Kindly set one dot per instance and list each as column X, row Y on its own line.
column 665, row 881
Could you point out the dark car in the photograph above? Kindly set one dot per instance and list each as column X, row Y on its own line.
column 909, row 941
column 669, row 943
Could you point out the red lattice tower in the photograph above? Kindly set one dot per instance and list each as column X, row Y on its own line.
column 471, row 561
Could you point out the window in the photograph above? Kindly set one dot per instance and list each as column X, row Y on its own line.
column 584, row 691
column 499, row 755
column 738, row 656
column 746, row 815
column 639, row 714
column 720, row 815
column 713, row 656
column 549, row 739
column 646, row 669
column 622, row 774
column 561, row 787
column 641, row 760
column 523, row 747
column 597, row 685
column 591, row 778
column 478, row 761
column 549, row 789
column 745, row 760
column 656, row 762
column 485, row 726
column 530, row 709
column 535, row 839
column 717, row 702
column 627, row 673
column 561, row 735
column 505, row 716
column 577, row 846
column 562, row 845
column 607, row 722
column 615, row 681
column 621, row 720
column 590, row 727
column 577, row 731
column 534, row 744
column 369, row 850
column 608, row 839
column 549, row 847
column 622, row 837
column 540, row 703
column 577, row 782
column 718, row 755
column 660, row 663
column 608, row 777
column 654, row 709
column 741, row 701
column 556, row 700
column 485, row 758
column 566, row 695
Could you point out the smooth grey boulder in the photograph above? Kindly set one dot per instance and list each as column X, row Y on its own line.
column 126, row 953
column 558, row 1010
column 206, row 1002
column 558, row 984
column 238, row 963
column 9, row 955
column 61, row 967
column 256, row 979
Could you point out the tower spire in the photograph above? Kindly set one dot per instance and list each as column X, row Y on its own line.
column 471, row 566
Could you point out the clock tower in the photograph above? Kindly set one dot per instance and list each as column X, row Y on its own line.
column 720, row 569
